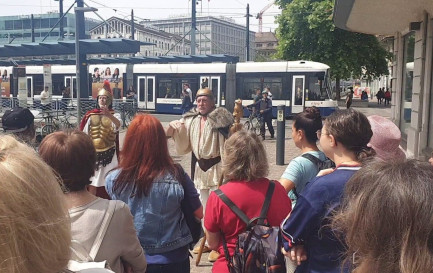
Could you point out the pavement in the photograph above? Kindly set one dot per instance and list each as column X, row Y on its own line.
column 275, row 171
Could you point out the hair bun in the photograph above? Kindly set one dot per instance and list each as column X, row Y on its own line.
column 313, row 112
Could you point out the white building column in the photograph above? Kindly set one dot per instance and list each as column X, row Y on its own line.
column 419, row 72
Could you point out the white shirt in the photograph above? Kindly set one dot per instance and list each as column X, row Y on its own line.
column 45, row 97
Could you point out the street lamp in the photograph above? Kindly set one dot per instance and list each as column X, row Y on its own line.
column 79, row 61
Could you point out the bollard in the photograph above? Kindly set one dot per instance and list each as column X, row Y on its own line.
column 281, row 134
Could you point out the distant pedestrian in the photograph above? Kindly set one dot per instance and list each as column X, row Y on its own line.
column 186, row 102
column 349, row 98
column 264, row 107
column 46, row 99
column 380, row 95
column 387, row 97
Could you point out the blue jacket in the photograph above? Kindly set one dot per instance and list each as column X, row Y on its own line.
column 158, row 218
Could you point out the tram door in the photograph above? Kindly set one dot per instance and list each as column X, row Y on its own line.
column 71, row 81
column 146, row 92
column 214, row 84
column 298, row 94
column 30, row 90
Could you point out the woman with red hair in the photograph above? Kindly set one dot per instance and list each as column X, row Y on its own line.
column 153, row 186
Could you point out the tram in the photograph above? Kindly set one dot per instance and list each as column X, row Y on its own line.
column 295, row 84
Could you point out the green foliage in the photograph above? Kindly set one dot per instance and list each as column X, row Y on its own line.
column 306, row 31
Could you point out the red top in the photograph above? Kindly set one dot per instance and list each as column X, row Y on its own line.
column 249, row 197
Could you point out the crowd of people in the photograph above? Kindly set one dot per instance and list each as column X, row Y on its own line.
column 77, row 197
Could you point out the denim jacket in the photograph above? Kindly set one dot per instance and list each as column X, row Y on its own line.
column 158, row 218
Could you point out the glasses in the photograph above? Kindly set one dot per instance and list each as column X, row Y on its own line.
column 319, row 134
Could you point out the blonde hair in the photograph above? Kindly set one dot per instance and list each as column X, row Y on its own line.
column 244, row 157
column 34, row 228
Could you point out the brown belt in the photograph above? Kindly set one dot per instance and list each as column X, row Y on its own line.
column 206, row 164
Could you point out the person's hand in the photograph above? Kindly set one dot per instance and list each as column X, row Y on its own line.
column 297, row 254
column 325, row 172
column 175, row 124
column 105, row 110
column 261, row 111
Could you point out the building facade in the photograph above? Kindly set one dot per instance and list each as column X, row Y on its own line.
column 411, row 26
column 266, row 46
column 214, row 35
column 17, row 29
column 165, row 43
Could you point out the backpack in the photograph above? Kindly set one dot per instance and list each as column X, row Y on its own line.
column 258, row 249
column 321, row 165
column 86, row 260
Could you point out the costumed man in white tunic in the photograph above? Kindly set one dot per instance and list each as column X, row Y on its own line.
column 102, row 125
column 203, row 131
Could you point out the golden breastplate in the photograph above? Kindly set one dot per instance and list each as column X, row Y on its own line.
column 102, row 133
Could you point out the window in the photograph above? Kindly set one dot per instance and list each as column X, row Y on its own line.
column 315, row 88
column 45, row 23
column 408, row 65
column 247, row 87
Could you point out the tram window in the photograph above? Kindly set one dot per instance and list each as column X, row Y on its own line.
column 276, row 87
column 165, row 89
column 247, row 88
column 315, row 89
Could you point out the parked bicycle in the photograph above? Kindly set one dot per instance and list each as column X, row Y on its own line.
column 253, row 122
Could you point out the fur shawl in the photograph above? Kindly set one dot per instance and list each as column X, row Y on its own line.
column 220, row 117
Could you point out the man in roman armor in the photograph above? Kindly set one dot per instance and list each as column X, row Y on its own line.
column 203, row 131
column 102, row 125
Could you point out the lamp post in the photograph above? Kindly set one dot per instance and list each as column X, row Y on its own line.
column 80, row 59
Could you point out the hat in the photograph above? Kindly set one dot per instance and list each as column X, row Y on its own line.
column 17, row 120
column 204, row 92
column 264, row 92
column 386, row 139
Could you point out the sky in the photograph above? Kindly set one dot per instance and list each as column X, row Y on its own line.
column 150, row 9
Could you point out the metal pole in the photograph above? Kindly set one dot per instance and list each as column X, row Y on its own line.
column 132, row 25
column 248, row 33
column 61, row 19
column 77, row 57
column 32, row 20
column 193, row 26
column 281, row 134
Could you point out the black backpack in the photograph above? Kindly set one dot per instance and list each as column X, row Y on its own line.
column 258, row 249
column 321, row 165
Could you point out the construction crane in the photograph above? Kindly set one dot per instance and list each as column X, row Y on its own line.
column 260, row 15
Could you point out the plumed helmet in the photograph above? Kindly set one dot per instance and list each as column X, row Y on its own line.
column 204, row 92
column 106, row 93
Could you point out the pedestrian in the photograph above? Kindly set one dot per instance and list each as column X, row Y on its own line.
column 46, row 99
column 154, row 187
column 307, row 237
column 120, row 246
column 102, row 125
column 66, row 98
column 186, row 102
column 35, row 232
column 349, row 98
column 380, row 95
column 20, row 122
column 264, row 108
column 386, row 139
column 301, row 170
column 385, row 218
column 245, row 169
column 203, row 132
column 117, row 94
column 387, row 96
column 187, row 89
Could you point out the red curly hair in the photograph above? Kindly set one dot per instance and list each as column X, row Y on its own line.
column 144, row 155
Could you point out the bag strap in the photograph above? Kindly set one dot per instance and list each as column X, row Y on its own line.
column 312, row 158
column 103, row 229
column 266, row 203
column 232, row 206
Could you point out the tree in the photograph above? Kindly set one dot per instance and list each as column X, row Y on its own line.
column 306, row 31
